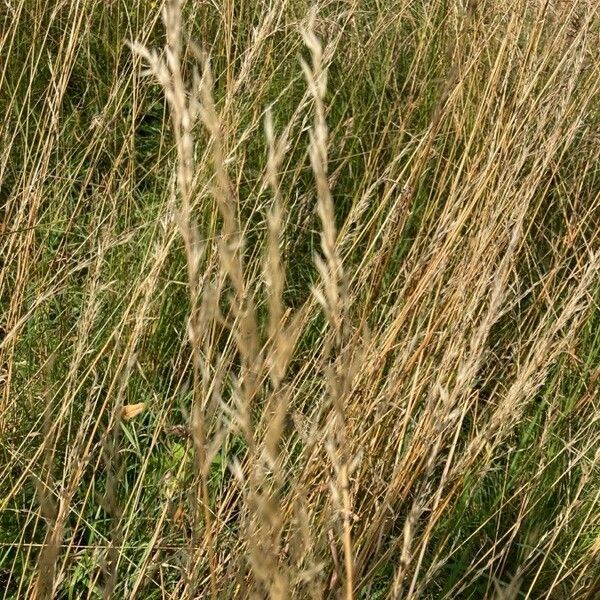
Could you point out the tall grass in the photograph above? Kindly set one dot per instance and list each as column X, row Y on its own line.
column 300, row 300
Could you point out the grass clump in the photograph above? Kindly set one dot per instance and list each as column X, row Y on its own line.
column 299, row 300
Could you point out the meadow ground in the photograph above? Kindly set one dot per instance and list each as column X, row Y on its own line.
column 300, row 300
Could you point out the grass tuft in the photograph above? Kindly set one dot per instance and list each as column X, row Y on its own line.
column 299, row 300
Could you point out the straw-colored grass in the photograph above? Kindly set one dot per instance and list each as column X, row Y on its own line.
column 300, row 300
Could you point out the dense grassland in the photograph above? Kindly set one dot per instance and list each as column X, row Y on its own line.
column 300, row 300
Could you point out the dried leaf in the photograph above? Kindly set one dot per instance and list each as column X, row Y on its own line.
column 132, row 410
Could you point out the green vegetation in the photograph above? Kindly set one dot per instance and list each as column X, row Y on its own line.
column 300, row 300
